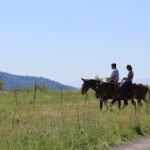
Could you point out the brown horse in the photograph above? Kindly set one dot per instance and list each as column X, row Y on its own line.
column 88, row 84
column 140, row 92
column 107, row 90
column 92, row 84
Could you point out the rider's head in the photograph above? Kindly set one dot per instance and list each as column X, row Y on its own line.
column 129, row 67
column 113, row 66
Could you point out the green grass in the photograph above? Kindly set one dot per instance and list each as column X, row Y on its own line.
column 52, row 123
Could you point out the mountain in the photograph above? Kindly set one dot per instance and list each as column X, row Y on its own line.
column 16, row 81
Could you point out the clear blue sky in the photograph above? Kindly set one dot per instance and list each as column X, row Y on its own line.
column 64, row 40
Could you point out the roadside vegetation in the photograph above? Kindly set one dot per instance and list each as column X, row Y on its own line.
column 61, row 120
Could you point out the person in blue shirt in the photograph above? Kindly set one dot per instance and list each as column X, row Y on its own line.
column 114, row 77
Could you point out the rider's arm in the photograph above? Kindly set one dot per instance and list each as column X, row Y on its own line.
column 125, row 78
column 129, row 77
column 110, row 78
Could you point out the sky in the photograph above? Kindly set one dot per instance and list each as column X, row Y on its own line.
column 65, row 40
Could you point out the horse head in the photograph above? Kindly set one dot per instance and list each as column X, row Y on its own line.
column 88, row 83
column 85, row 86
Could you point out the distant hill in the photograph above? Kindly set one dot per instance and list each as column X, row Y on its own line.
column 17, row 81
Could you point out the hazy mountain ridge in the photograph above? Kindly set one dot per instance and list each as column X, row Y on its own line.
column 17, row 81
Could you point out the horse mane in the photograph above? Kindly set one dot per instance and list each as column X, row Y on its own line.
column 95, row 80
column 143, row 86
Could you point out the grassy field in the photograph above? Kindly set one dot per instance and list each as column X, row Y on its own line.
column 55, row 123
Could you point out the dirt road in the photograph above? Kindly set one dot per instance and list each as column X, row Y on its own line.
column 141, row 144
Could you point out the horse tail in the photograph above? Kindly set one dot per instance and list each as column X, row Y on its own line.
column 145, row 92
column 148, row 94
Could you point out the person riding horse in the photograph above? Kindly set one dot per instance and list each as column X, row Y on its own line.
column 126, row 87
column 114, row 77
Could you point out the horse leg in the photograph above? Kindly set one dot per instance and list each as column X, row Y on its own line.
column 125, row 103
column 101, row 104
column 105, row 102
column 134, row 103
column 119, row 104
column 139, row 102
column 112, row 102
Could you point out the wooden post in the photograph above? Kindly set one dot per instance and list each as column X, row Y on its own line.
column 16, row 98
column 85, row 99
column 61, row 95
column 35, row 89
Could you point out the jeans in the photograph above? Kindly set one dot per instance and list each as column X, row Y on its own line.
column 126, row 88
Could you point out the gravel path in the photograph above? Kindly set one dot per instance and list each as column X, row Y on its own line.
column 141, row 144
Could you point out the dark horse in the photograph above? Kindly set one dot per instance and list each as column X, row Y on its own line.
column 108, row 90
column 91, row 83
column 87, row 84
column 140, row 92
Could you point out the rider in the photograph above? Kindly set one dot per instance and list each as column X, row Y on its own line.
column 114, row 77
column 127, row 85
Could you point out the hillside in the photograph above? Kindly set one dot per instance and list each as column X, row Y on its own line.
column 17, row 81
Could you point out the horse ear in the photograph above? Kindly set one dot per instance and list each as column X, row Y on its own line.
column 83, row 79
column 98, row 83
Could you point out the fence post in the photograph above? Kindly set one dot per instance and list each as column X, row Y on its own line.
column 35, row 89
column 61, row 95
column 16, row 97
column 85, row 99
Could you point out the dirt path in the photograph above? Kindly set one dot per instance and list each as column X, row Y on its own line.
column 141, row 144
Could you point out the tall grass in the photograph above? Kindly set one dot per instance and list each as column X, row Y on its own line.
column 52, row 123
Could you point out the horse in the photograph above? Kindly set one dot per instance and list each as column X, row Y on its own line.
column 140, row 92
column 88, row 84
column 108, row 90
column 92, row 83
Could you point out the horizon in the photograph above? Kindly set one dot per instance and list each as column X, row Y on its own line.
column 76, row 83
column 64, row 41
